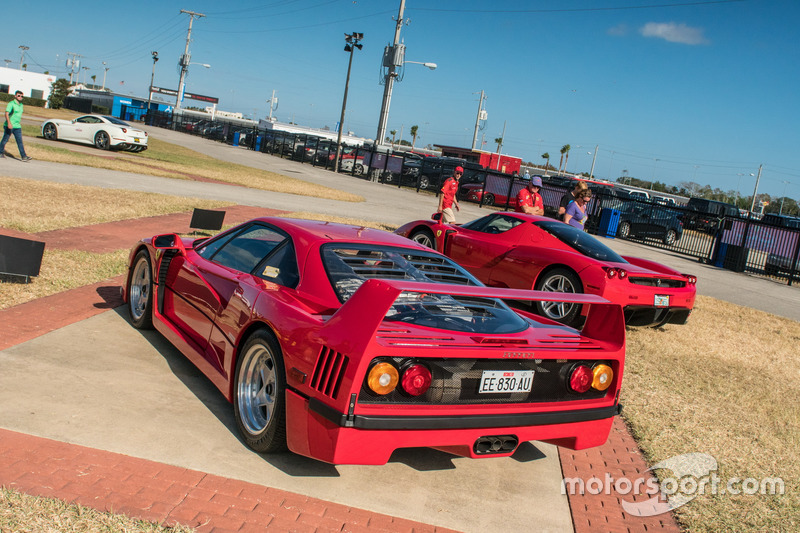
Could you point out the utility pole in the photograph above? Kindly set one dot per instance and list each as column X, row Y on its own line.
column 481, row 116
column 391, row 55
column 22, row 57
column 184, row 60
column 73, row 63
column 755, row 191
column 273, row 104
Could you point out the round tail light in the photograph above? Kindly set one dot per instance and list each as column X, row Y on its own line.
column 611, row 272
column 382, row 378
column 623, row 274
column 601, row 377
column 416, row 379
column 580, row 379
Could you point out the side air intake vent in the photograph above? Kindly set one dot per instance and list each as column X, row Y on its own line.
column 328, row 372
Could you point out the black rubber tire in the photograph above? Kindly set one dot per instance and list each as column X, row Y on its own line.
column 424, row 237
column 424, row 182
column 488, row 199
column 670, row 237
column 259, row 393
column 102, row 141
column 624, row 230
column 563, row 280
column 50, row 132
column 140, row 292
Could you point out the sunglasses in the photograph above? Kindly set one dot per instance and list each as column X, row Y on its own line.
column 19, row 96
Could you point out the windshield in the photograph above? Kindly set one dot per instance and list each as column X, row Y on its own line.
column 349, row 265
column 580, row 241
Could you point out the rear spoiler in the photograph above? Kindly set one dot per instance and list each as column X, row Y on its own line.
column 355, row 324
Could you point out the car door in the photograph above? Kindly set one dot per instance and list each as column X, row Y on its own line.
column 479, row 247
column 69, row 131
column 216, row 290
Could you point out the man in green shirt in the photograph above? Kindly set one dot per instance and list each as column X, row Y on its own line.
column 13, row 124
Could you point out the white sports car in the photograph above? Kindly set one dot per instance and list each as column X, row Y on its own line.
column 104, row 132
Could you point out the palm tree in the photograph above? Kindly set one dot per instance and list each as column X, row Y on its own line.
column 393, row 133
column 414, row 130
column 564, row 150
column 94, row 78
column 499, row 142
column 546, row 156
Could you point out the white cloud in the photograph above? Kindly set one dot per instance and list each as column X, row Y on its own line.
column 674, row 33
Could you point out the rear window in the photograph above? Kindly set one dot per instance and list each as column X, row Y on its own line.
column 580, row 241
column 348, row 266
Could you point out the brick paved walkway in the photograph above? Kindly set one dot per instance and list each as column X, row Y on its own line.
column 165, row 494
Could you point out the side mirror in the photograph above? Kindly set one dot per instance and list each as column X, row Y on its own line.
column 168, row 241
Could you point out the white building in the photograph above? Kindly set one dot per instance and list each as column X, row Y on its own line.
column 33, row 84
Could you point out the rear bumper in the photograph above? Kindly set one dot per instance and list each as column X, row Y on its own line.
column 648, row 316
column 320, row 432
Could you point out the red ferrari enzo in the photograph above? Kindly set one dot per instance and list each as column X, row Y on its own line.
column 344, row 343
column 529, row 252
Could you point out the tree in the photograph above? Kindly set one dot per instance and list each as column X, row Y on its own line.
column 94, row 78
column 566, row 148
column 393, row 133
column 414, row 130
column 58, row 91
column 546, row 156
column 499, row 142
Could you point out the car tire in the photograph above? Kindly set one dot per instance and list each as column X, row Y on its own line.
column 624, row 231
column 424, row 182
column 140, row 292
column 424, row 237
column 670, row 237
column 50, row 132
column 488, row 199
column 102, row 140
column 359, row 169
column 559, row 280
column 259, row 393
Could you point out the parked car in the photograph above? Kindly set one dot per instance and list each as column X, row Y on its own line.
column 649, row 222
column 525, row 251
column 106, row 133
column 344, row 344
column 706, row 215
column 780, row 263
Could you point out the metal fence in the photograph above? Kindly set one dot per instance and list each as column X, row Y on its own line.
column 743, row 245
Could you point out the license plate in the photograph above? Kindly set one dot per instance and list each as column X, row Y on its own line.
column 502, row 381
column 661, row 300
column 136, row 139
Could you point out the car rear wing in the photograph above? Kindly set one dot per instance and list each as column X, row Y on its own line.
column 357, row 321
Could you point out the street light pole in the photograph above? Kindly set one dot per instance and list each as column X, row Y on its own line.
column 152, row 77
column 352, row 41
column 594, row 158
column 785, row 183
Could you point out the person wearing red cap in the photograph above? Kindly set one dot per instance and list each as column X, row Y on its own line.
column 529, row 200
column 447, row 200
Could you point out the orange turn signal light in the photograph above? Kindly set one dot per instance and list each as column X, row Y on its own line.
column 383, row 378
column 602, row 375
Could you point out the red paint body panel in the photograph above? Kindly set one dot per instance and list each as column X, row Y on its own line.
column 209, row 311
column 518, row 257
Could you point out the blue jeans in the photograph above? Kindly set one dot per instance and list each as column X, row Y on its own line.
column 18, row 136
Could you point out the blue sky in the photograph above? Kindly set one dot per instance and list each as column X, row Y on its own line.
column 672, row 90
